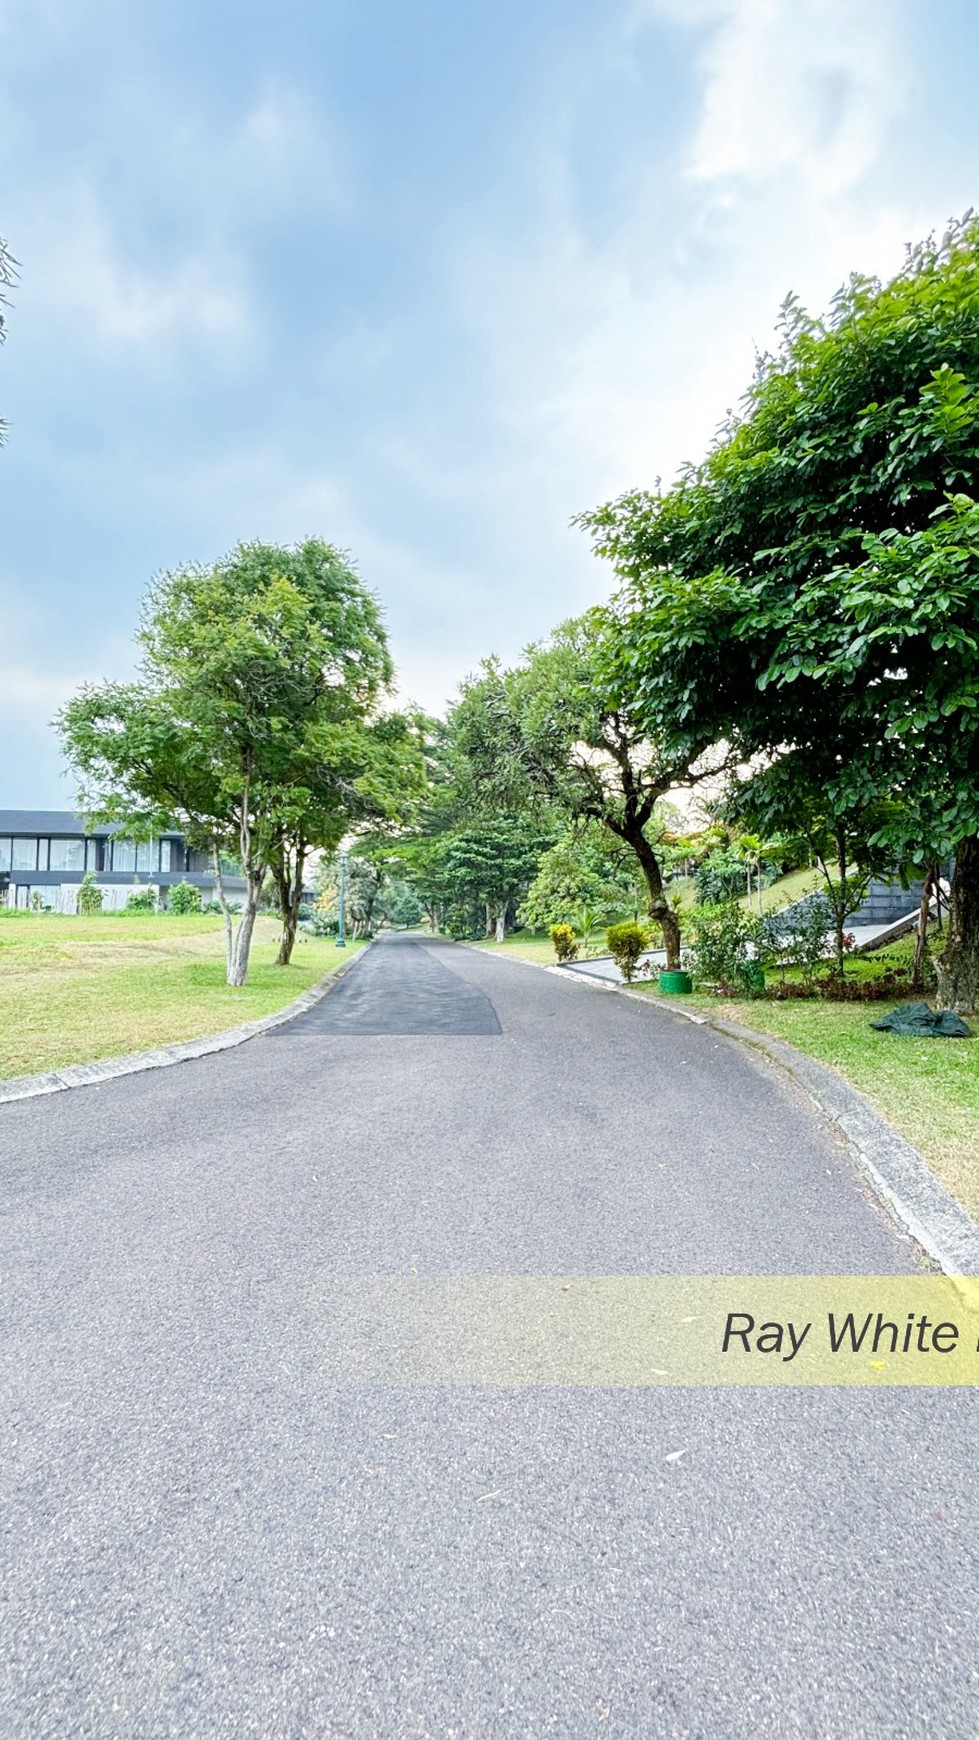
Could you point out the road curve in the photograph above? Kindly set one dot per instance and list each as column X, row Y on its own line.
column 205, row 1534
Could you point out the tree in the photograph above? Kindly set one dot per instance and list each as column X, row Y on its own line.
column 583, row 871
column 364, row 774
column 901, row 631
column 847, row 844
column 748, row 608
column 184, row 899
column 489, row 867
column 559, row 736
column 90, row 895
column 251, row 725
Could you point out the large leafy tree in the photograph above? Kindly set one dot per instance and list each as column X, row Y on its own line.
column 468, row 863
column 586, row 875
column 559, row 734
column 786, row 593
column 254, row 721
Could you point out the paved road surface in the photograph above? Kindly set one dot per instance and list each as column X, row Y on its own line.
column 204, row 1534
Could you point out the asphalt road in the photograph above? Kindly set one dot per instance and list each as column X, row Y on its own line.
column 205, row 1532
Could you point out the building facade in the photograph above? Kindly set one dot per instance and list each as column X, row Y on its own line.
column 45, row 853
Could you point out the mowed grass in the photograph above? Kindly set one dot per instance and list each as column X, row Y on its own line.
column 76, row 989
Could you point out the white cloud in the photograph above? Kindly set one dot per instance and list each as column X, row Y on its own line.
column 33, row 692
column 806, row 85
column 79, row 267
column 614, row 351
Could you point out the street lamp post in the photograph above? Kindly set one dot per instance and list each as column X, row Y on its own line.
column 341, row 939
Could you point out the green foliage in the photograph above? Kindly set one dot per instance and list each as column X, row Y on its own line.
column 626, row 942
column 90, row 895
column 585, row 871
column 559, row 736
column 565, row 942
column 399, row 903
column 142, row 900
column 730, row 947
column 720, row 877
column 799, row 935
column 812, row 586
column 184, row 897
column 253, row 724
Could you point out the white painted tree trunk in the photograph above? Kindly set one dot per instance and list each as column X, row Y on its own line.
column 501, row 921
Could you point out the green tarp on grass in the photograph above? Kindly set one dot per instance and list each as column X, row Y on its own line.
column 919, row 1021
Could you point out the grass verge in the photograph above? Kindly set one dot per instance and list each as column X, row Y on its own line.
column 76, row 989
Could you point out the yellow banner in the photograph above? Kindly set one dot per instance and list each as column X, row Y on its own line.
column 637, row 1330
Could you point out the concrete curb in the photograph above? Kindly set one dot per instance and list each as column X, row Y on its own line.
column 897, row 1172
column 27, row 1087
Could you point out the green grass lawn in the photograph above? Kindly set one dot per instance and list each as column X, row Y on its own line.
column 76, row 989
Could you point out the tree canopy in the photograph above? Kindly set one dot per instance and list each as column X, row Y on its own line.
column 254, row 722
column 559, row 735
column 810, row 587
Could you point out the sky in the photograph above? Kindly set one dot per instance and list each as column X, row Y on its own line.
column 423, row 278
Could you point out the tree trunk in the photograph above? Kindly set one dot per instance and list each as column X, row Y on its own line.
column 841, row 903
column 489, row 919
column 288, row 874
column 238, row 970
column 229, row 929
column 501, row 912
column 958, row 969
column 921, row 940
column 659, row 907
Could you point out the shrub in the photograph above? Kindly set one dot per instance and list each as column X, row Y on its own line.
column 801, row 935
column 143, row 900
column 185, row 898
column 565, row 942
column 319, row 923
column 90, row 895
column 720, row 878
column 730, row 948
column 626, row 942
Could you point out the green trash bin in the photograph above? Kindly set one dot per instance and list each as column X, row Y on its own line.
column 675, row 983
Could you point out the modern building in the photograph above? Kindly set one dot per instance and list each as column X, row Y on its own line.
column 45, row 853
